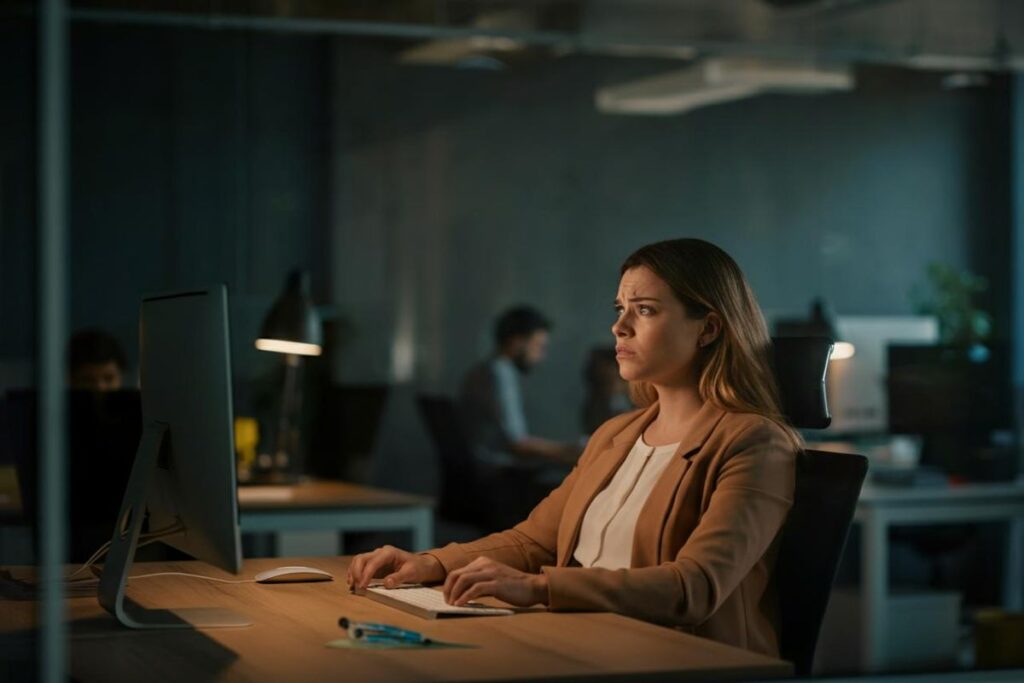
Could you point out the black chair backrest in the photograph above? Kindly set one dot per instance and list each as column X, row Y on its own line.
column 103, row 432
column 344, row 426
column 800, row 365
column 827, row 487
column 461, row 498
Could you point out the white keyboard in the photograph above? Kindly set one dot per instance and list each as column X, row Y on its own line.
column 429, row 603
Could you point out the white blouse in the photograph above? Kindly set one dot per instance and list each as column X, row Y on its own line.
column 606, row 536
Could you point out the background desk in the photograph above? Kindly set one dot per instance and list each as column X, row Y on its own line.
column 293, row 622
column 882, row 507
column 314, row 515
column 311, row 516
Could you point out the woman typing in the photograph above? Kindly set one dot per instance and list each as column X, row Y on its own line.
column 672, row 513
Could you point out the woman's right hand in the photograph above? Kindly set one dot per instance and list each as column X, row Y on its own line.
column 397, row 566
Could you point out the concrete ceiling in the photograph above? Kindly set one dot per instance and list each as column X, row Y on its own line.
column 943, row 34
column 937, row 33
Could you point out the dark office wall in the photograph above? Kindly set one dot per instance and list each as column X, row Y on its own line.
column 195, row 157
column 426, row 199
column 460, row 192
column 17, row 198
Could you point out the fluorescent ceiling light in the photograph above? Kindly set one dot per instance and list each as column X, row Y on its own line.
column 454, row 50
column 786, row 75
column 641, row 100
column 951, row 62
column 718, row 80
column 940, row 62
column 640, row 50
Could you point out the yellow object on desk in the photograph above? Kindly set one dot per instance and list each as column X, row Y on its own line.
column 10, row 494
column 998, row 637
column 247, row 438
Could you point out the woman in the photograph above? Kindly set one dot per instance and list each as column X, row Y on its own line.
column 672, row 513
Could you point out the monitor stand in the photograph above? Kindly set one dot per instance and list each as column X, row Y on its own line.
column 122, row 553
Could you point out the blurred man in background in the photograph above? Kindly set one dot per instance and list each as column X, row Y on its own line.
column 95, row 361
column 491, row 400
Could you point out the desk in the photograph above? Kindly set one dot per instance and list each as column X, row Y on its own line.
column 332, row 508
column 882, row 507
column 292, row 623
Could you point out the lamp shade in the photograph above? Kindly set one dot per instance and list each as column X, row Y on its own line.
column 825, row 320
column 820, row 323
column 292, row 326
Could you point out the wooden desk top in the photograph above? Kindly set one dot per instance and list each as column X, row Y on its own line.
column 293, row 623
column 316, row 494
column 310, row 495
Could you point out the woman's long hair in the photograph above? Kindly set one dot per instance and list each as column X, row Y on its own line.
column 735, row 371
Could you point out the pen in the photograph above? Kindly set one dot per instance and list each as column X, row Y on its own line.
column 365, row 630
column 379, row 637
column 390, row 639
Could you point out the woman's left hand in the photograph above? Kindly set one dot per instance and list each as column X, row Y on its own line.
column 484, row 576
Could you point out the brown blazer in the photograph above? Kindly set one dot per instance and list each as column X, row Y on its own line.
column 704, row 545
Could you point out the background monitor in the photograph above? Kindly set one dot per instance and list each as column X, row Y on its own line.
column 949, row 389
column 185, row 376
column 857, row 393
column 184, row 470
column 960, row 401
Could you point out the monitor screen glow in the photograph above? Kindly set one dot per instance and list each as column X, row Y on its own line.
column 856, row 386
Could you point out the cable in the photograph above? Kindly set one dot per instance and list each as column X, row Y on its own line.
column 145, row 539
column 195, row 576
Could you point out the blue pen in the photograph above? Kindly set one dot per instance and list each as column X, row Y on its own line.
column 377, row 637
column 366, row 630
column 392, row 640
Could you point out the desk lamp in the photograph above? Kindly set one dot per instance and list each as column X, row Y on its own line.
column 822, row 316
column 820, row 323
column 292, row 327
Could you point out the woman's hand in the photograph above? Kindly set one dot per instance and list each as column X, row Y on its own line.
column 484, row 576
column 397, row 566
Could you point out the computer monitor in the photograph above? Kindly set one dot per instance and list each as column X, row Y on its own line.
column 960, row 401
column 184, row 471
column 942, row 389
column 857, row 393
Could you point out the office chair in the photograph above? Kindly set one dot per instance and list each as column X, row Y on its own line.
column 344, row 427
column 461, row 498
column 827, row 488
column 484, row 497
column 103, row 431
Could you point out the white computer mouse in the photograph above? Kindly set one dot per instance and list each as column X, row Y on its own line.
column 292, row 575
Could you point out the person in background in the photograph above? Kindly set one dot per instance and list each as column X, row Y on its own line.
column 607, row 393
column 673, row 513
column 491, row 401
column 95, row 361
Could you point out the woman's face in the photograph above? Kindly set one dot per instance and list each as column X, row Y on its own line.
column 655, row 340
